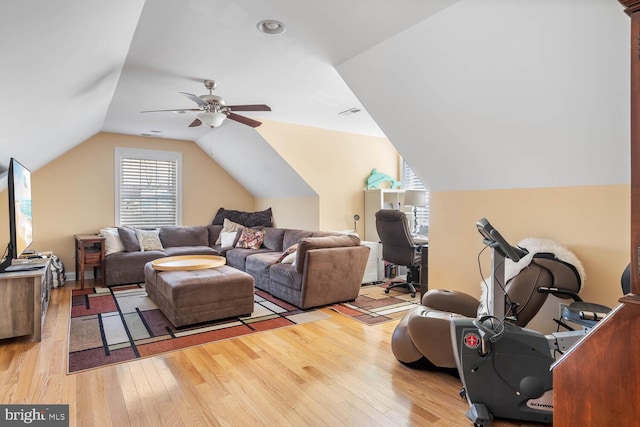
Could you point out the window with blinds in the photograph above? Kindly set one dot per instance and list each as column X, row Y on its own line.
column 410, row 181
column 148, row 188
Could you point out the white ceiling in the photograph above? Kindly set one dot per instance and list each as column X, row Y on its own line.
column 73, row 68
column 178, row 44
column 478, row 94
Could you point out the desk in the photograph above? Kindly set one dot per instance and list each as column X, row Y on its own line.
column 424, row 270
column 420, row 240
column 89, row 253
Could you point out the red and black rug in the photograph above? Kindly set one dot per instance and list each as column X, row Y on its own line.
column 121, row 323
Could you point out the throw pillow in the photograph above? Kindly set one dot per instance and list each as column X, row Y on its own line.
column 290, row 250
column 289, row 259
column 226, row 227
column 112, row 242
column 248, row 219
column 227, row 238
column 251, row 238
column 261, row 218
column 149, row 240
column 129, row 239
column 230, row 214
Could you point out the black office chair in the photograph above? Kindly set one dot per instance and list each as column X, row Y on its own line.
column 398, row 246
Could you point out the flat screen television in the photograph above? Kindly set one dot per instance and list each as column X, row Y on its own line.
column 20, row 217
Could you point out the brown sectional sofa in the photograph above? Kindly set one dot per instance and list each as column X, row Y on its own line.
column 328, row 267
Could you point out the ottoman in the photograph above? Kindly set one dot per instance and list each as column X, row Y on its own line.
column 186, row 297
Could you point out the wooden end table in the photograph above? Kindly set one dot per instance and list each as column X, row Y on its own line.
column 89, row 253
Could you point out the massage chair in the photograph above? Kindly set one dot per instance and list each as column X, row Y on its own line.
column 422, row 339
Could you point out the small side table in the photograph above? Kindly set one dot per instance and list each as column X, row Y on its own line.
column 89, row 253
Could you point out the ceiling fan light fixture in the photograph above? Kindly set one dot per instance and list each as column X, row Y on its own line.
column 271, row 26
column 213, row 119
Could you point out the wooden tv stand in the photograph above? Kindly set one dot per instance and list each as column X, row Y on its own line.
column 24, row 299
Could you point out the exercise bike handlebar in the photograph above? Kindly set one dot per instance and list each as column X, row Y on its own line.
column 495, row 240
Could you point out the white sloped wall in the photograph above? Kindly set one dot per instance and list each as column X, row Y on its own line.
column 492, row 94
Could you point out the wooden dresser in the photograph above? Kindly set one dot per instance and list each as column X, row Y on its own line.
column 24, row 299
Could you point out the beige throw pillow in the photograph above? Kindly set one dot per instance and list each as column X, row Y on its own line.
column 228, row 226
column 112, row 242
column 149, row 240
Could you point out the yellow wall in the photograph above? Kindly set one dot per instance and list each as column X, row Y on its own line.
column 335, row 164
column 292, row 212
column 75, row 193
column 591, row 221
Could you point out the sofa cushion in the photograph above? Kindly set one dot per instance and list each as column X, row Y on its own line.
column 190, row 250
column 309, row 243
column 251, row 238
column 214, row 232
column 129, row 239
column 128, row 267
column 184, row 236
column 285, row 275
column 273, row 238
column 236, row 257
column 258, row 265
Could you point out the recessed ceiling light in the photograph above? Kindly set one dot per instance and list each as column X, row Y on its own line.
column 271, row 26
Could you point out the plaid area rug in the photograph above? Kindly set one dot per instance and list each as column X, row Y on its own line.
column 373, row 306
column 121, row 323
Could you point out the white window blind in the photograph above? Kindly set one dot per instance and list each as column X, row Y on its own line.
column 410, row 181
column 148, row 188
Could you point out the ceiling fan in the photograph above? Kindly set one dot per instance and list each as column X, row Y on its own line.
column 214, row 110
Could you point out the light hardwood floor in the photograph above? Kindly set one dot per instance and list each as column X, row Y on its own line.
column 334, row 372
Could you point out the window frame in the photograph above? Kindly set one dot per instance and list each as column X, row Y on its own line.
column 411, row 181
column 143, row 154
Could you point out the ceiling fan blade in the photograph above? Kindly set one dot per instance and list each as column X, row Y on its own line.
column 256, row 107
column 195, row 99
column 175, row 110
column 195, row 123
column 244, row 120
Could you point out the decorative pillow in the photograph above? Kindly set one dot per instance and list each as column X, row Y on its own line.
column 227, row 238
column 230, row 214
column 129, row 239
column 149, row 240
column 228, row 226
column 251, row 238
column 248, row 219
column 261, row 218
column 290, row 250
column 289, row 259
column 112, row 242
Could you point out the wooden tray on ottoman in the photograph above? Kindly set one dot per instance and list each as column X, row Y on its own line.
column 188, row 262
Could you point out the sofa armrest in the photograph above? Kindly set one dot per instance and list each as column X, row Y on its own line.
column 333, row 274
column 310, row 243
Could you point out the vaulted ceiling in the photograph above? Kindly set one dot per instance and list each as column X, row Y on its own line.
column 477, row 94
column 73, row 68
